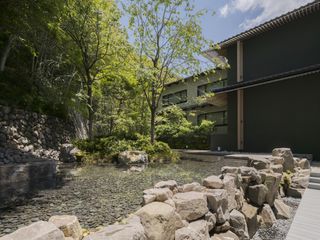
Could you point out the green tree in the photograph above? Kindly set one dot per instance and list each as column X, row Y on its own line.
column 94, row 29
column 169, row 40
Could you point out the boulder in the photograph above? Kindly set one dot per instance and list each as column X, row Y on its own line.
column 201, row 228
column 148, row 198
column 287, row 155
column 68, row 152
column 225, row 236
column 277, row 168
column 259, row 163
column 267, row 215
column 300, row 181
column 295, row 192
column 37, row 231
column 161, row 194
column 239, row 225
column 250, row 213
column 228, row 169
column 222, row 228
column 222, row 216
column 276, row 160
column 170, row 202
column 191, row 187
column 69, row 225
column 213, row 182
column 217, row 198
column 171, row 184
column 281, row 210
column 131, row 231
column 257, row 194
column 304, row 163
column 187, row 233
column 191, row 205
column 211, row 220
column 133, row 158
column 159, row 220
column 230, row 186
column 251, row 173
column 239, row 197
column 272, row 182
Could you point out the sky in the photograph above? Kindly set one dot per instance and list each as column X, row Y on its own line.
column 234, row 16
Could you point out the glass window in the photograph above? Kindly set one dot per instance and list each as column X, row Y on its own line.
column 175, row 98
column 219, row 118
column 210, row 87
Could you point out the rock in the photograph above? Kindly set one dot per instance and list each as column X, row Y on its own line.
column 268, row 218
column 230, row 186
column 258, row 163
column 239, row 197
column 277, row 168
column 281, row 210
column 186, row 233
column 222, row 216
column 276, row 160
column 222, row 228
column 191, row 205
column 159, row 221
column 250, row 213
column 239, row 225
column 149, row 198
column 170, row 202
column 257, row 194
column 287, row 156
column 295, row 192
column 227, row 169
column 300, row 182
column 225, row 236
column 211, row 220
column 69, row 225
column 201, row 228
column 213, row 182
column 137, row 169
column 252, row 174
column 133, row 158
column 131, row 231
column 272, row 182
column 162, row 194
column 171, row 184
column 36, row 231
column 304, row 163
column 191, row 187
column 217, row 198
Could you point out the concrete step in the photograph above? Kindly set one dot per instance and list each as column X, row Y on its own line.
column 315, row 174
column 314, row 179
column 314, row 186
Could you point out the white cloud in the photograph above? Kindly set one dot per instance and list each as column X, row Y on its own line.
column 269, row 9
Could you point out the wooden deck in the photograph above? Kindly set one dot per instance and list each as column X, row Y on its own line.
column 306, row 223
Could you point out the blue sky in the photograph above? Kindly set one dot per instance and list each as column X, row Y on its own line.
column 234, row 16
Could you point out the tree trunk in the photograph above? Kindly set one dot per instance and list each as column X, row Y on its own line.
column 90, row 110
column 5, row 53
column 152, row 125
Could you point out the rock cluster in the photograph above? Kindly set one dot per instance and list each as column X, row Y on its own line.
column 136, row 161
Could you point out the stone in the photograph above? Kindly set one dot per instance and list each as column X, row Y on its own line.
column 304, row 163
column 268, row 218
column 170, row 202
column 239, row 225
column 201, row 228
column 228, row 169
column 213, row 182
column 277, row 168
column 250, row 213
column 133, row 158
column 257, row 194
column 295, row 192
column 131, row 231
column 225, row 236
column 252, row 173
column 69, row 225
column 287, row 156
column 217, row 198
column 191, row 205
column 222, row 228
column 211, row 220
column 281, row 210
column 258, row 163
column 300, row 181
column 239, row 197
column 171, row 184
column 37, row 231
column 276, row 160
column 161, row 194
column 148, row 198
column 191, row 187
column 222, row 216
column 272, row 182
column 159, row 220
column 186, row 233
column 230, row 186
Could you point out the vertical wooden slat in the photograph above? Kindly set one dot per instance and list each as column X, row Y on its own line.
column 240, row 130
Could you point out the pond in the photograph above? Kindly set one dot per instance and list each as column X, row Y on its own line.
column 99, row 196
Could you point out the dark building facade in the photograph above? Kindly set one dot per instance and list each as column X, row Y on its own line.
column 273, row 85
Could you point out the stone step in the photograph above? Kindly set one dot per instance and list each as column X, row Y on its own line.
column 315, row 174
column 314, row 186
column 314, row 179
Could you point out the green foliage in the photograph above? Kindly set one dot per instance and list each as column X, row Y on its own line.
column 108, row 148
column 174, row 128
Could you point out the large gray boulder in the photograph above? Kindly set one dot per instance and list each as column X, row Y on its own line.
column 191, row 205
column 287, row 155
column 171, row 184
column 69, row 225
column 239, row 225
column 257, row 194
column 251, row 173
column 217, row 198
column 197, row 230
column 225, row 236
column 230, row 186
column 131, row 231
column 37, row 231
column 267, row 215
column 259, row 163
column 191, row 187
column 250, row 212
column 133, row 158
column 159, row 220
column 272, row 182
column 160, row 194
column 281, row 210
column 213, row 182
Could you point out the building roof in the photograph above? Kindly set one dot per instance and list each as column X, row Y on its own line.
column 272, row 24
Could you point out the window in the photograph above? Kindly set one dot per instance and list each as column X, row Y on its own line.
column 210, row 87
column 175, row 98
column 219, row 118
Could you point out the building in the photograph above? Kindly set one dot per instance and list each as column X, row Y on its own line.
column 270, row 96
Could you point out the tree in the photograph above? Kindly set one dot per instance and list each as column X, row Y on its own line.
column 168, row 39
column 93, row 27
